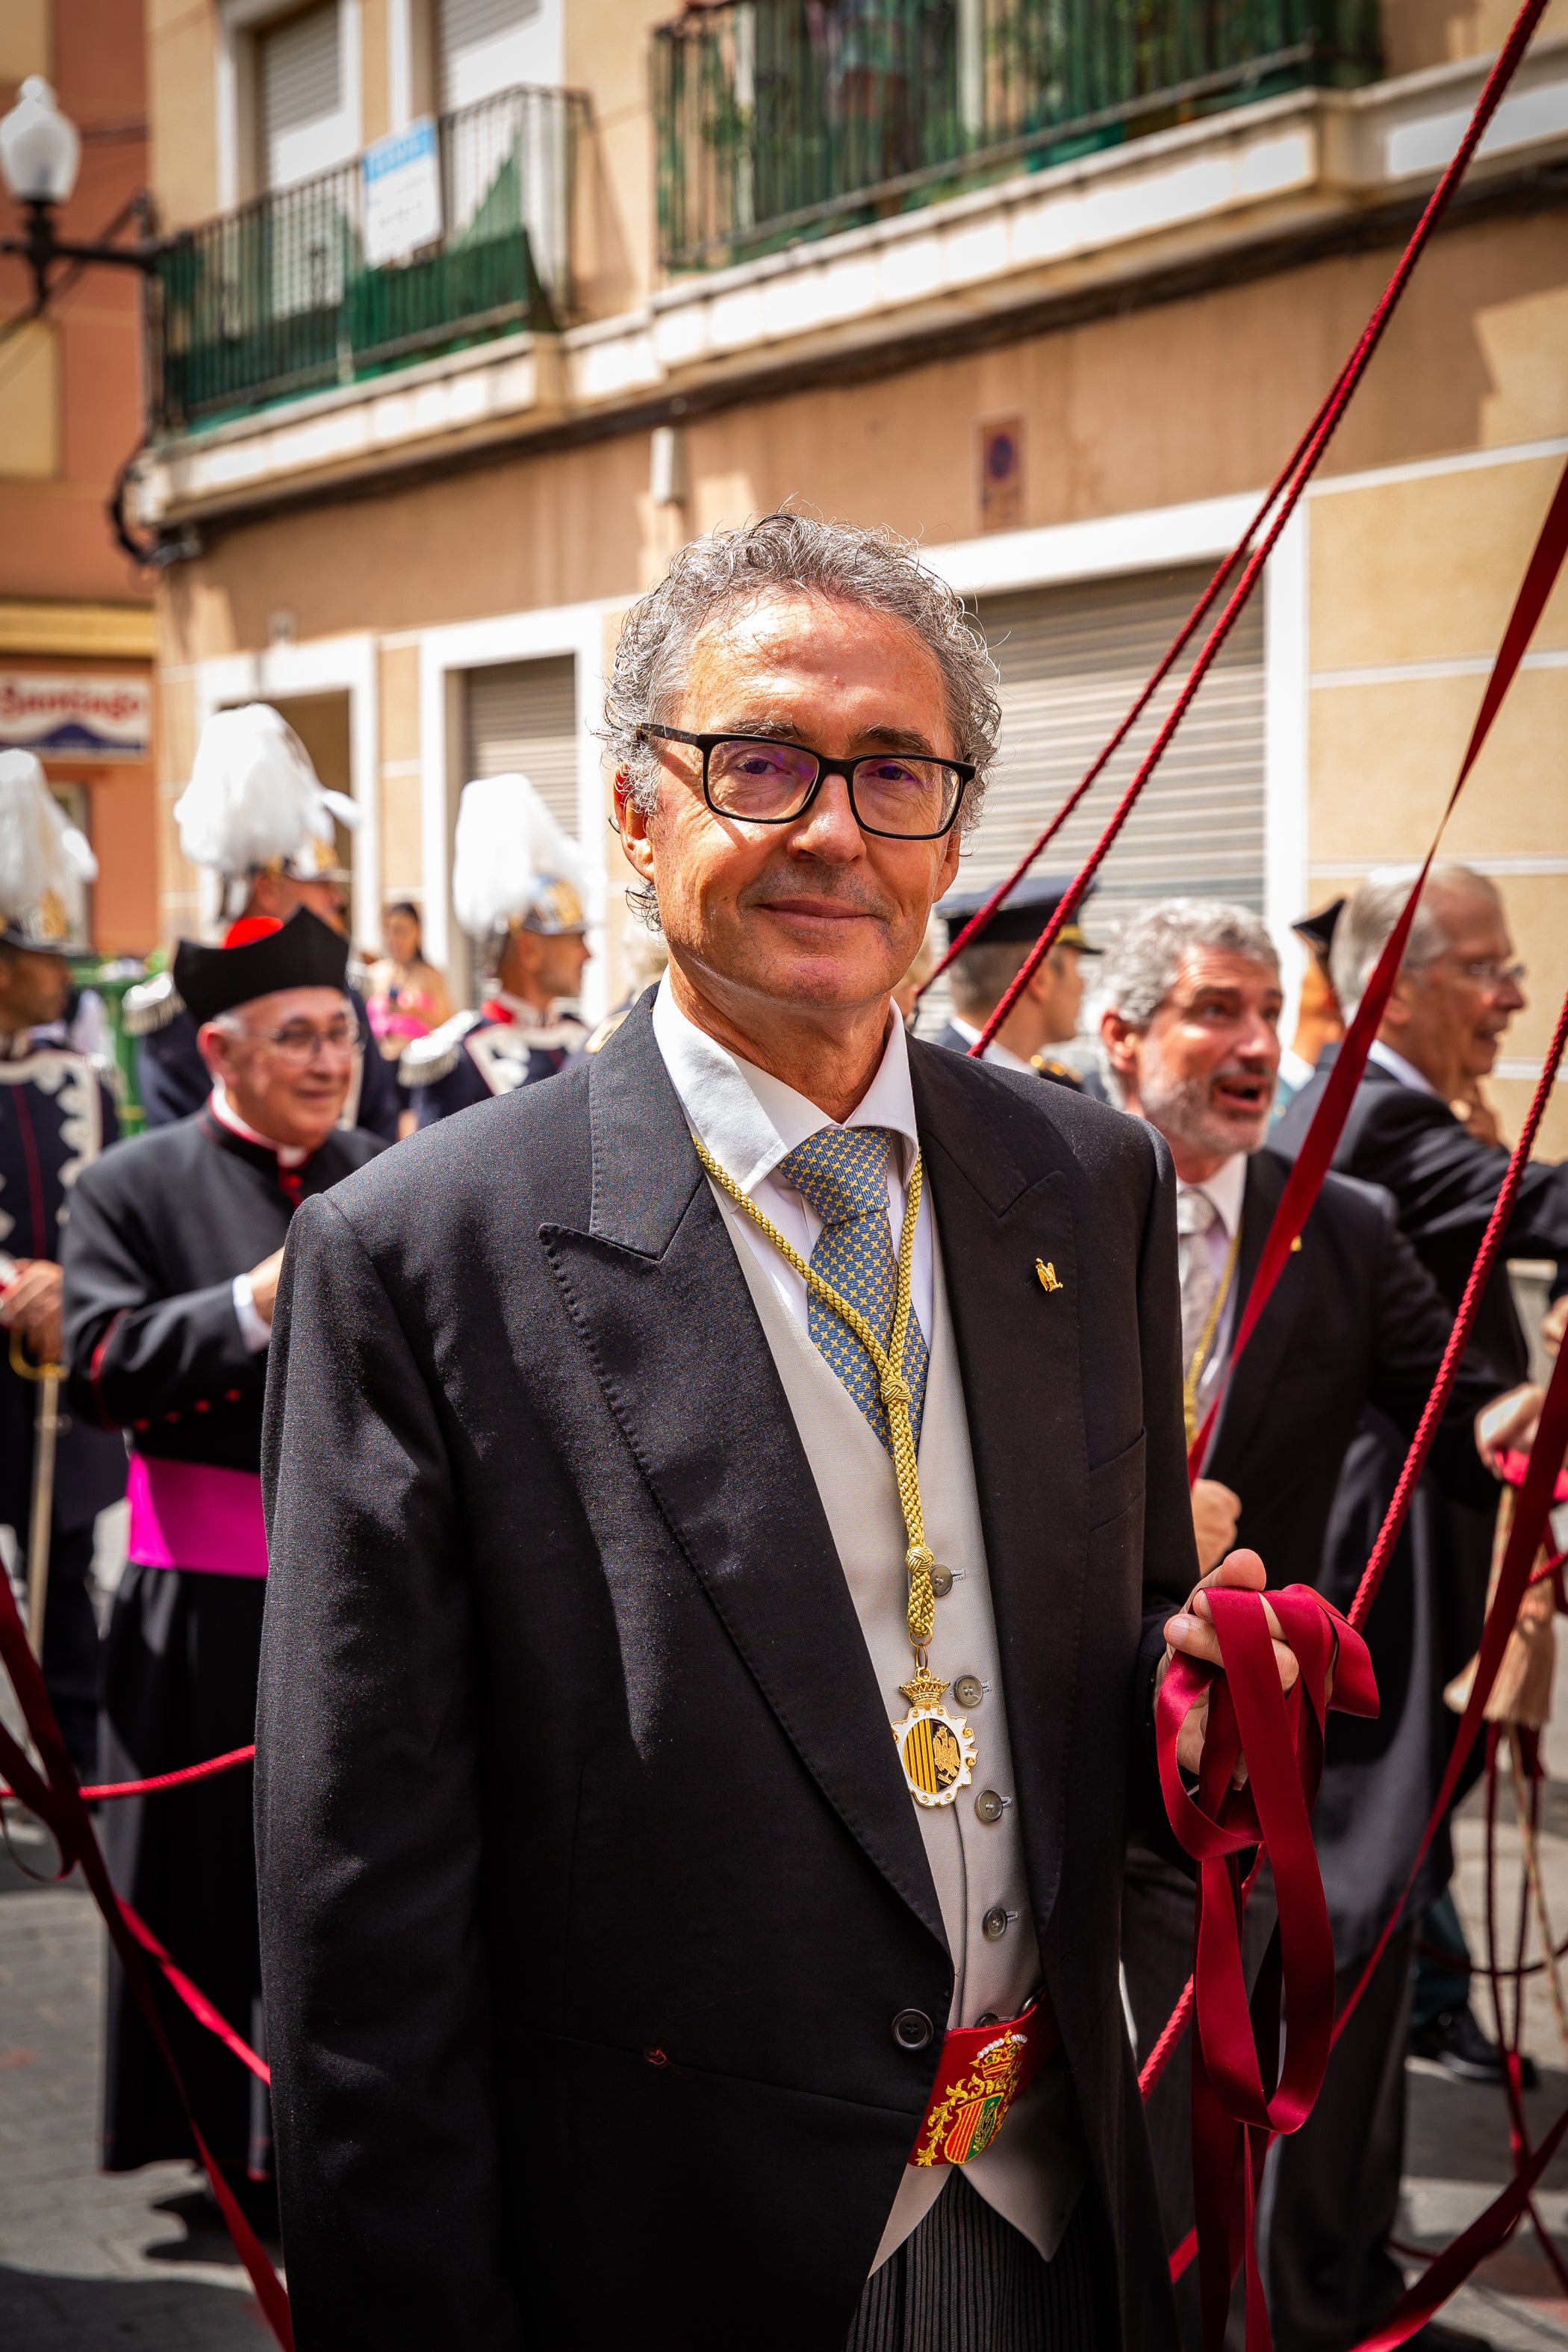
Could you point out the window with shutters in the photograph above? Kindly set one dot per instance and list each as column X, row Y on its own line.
column 1072, row 662
column 522, row 717
column 308, row 118
column 485, row 46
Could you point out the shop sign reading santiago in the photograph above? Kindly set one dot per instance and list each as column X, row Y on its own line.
column 74, row 717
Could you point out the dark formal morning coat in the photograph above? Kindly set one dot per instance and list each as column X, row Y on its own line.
column 591, row 1886
column 1426, row 1624
column 174, row 1082
column 1356, row 1329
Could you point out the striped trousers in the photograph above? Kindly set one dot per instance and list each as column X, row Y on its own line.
column 967, row 2281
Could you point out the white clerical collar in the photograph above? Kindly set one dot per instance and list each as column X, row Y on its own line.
column 1226, row 1188
column 1003, row 1055
column 748, row 1119
column 1398, row 1067
column 289, row 1155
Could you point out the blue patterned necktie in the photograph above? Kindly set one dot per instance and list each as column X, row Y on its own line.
column 842, row 1173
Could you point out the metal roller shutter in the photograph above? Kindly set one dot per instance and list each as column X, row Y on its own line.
column 299, row 85
column 481, row 48
column 1072, row 659
column 523, row 716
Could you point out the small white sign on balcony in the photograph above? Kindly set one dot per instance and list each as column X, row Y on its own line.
column 401, row 193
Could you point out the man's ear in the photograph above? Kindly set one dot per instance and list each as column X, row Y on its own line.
column 1121, row 1042
column 1396, row 1013
column 213, row 1045
column 631, row 819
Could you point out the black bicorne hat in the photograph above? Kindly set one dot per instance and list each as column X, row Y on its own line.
column 304, row 952
column 1024, row 917
column 1318, row 930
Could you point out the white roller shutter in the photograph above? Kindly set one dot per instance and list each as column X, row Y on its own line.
column 482, row 47
column 523, row 716
column 306, row 120
column 1072, row 660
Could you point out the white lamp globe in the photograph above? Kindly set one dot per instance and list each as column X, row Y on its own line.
column 40, row 149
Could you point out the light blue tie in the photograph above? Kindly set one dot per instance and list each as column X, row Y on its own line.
column 842, row 1173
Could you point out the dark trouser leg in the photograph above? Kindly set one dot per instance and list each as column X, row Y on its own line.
column 1442, row 1966
column 1331, row 2189
column 71, row 1645
column 967, row 2281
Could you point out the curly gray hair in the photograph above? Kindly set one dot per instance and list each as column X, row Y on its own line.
column 1141, row 968
column 845, row 563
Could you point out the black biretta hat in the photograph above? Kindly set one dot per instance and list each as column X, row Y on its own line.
column 304, row 952
column 1318, row 930
column 1024, row 917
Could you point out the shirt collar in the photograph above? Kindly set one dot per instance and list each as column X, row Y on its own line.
column 750, row 1120
column 1003, row 1055
column 288, row 1155
column 1398, row 1067
column 1226, row 1188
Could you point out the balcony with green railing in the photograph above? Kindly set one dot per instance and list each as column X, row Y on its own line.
column 281, row 299
column 784, row 120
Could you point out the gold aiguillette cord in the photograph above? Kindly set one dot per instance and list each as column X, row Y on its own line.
column 938, row 1753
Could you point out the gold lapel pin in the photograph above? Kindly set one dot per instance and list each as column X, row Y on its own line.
column 1048, row 1273
column 1296, row 1245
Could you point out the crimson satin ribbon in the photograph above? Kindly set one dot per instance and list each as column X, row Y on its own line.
column 1241, row 2094
column 57, row 1799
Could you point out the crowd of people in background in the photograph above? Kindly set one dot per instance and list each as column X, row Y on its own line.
column 267, row 1074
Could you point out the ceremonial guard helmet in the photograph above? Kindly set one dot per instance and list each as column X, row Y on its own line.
column 44, row 863
column 256, row 803
column 513, row 867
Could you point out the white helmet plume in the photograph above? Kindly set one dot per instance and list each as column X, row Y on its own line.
column 509, row 852
column 45, row 862
column 254, row 799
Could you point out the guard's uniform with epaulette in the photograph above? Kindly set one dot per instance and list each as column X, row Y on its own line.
column 56, row 1115
column 1016, row 925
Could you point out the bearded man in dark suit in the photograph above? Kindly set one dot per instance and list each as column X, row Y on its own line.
column 1355, row 1327
column 693, row 1708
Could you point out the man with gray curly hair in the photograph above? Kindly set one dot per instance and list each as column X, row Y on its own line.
column 710, row 1670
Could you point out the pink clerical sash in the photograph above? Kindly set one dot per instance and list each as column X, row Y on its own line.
column 192, row 1514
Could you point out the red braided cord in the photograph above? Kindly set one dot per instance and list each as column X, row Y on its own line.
column 1503, row 69
column 204, row 1771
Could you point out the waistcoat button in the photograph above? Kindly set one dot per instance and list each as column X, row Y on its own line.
column 968, row 1690
column 988, row 1806
column 941, row 1582
column 994, row 1924
column 911, row 2029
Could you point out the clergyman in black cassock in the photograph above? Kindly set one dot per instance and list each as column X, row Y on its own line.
column 161, row 1228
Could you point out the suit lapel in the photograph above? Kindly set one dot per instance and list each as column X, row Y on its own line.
column 662, row 1305
column 1018, row 1355
column 1249, row 1390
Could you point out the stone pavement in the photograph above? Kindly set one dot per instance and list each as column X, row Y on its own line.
column 89, row 2259
column 89, row 2262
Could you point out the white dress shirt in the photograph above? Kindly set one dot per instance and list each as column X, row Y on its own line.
column 1227, row 1189
column 1003, row 1055
column 1398, row 1067
column 750, row 1126
column 1033, row 2172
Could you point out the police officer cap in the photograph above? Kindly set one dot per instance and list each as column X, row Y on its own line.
column 1023, row 917
column 304, row 952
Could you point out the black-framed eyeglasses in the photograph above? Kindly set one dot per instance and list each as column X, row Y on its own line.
column 762, row 781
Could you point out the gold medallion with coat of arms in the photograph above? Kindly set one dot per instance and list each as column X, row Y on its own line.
column 936, row 1752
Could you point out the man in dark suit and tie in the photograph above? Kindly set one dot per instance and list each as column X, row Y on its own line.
column 1354, row 1325
column 695, row 1747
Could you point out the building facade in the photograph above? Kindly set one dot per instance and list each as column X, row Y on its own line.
column 487, row 305
column 77, row 629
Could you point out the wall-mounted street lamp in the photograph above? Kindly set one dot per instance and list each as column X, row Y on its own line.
column 40, row 153
column 39, row 156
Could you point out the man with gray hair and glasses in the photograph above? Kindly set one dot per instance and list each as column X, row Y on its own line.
column 1355, row 1327
column 709, row 1668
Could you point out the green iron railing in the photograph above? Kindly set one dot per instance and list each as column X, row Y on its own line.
column 276, row 300
column 779, row 120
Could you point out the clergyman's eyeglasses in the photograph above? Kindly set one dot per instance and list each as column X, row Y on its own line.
column 761, row 780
